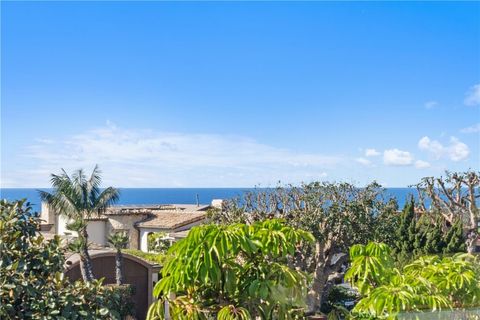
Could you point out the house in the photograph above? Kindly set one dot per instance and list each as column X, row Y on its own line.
column 136, row 220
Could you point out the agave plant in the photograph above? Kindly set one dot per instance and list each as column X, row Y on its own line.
column 79, row 198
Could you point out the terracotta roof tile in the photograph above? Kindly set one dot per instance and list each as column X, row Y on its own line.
column 171, row 219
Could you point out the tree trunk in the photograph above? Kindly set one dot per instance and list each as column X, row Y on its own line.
column 85, row 260
column 315, row 294
column 314, row 298
column 118, row 268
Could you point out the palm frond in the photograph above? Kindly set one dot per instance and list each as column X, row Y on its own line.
column 119, row 240
column 79, row 198
column 61, row 203
column 93, row 185
column 107, row 198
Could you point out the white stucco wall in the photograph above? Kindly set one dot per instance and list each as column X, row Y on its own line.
column 96, row 232
column 62, row 222
column 47, row 215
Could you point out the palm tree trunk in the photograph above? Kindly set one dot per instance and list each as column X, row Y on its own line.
column 85, row 260
column 118, row 267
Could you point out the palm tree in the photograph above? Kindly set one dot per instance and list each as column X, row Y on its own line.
column 79, row 198
column 119, row 241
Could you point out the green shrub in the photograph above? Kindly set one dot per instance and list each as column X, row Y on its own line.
column 428, row 283
column 120, row 299
column 147, row 256
column 32, row 282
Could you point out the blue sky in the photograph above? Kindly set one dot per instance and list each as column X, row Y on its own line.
column 164, row 94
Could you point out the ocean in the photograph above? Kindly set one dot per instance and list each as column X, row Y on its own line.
column 132, row 196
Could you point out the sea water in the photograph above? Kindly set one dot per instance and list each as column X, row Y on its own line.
column 133, row 196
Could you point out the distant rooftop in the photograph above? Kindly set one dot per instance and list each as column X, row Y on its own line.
column 155, row 208
column 171, row 219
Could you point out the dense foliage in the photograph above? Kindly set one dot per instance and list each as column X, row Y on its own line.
column 337, row 214
column 32, row 283
column 425, row 233
column 78, row 198
column 430, row 282
column 236, row 271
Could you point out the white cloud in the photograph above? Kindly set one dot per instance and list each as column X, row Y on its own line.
column 420, row 164
column 147, row 158
column 371, row 153
column 430, row 104
column 458, row 150
column 363, row 161
column 472, row 129
column 472, row 98
column 395, row 157
column 455, row 151
column 434, row 147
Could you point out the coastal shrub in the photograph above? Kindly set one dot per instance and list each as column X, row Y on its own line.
column 233, row 271
column 32, row 282
column 428, row 283
column 157, row 258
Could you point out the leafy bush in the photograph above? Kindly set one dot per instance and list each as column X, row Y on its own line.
column 32, row 282
column 232, row 272
column 147, row 256
column 430, row 282
column 120, row 299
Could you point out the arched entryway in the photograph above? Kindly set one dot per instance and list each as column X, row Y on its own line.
column 136, row 272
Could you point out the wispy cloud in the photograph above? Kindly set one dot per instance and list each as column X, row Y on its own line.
column 455, row 150
column 420, row 164
column 149, row 158
column 430, row 104
column 371, row 153
column 363, row 161
column 396, row 157
column 472, row 97
column 472, row 129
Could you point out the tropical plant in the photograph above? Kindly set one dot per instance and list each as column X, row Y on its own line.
column 118, row 240
column 430, row 282
column 157, row 243
column 337, row 214
column 80, row 198
column 32, row 281
column 234, row 271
